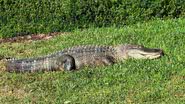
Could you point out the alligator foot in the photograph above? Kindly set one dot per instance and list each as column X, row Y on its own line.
column 108, row 60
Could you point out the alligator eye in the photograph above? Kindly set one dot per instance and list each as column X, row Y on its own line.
column 141, row 46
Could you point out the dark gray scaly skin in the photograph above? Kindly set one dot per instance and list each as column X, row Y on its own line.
column 80, row 56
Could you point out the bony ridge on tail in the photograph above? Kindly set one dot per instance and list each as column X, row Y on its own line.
column 79, row 56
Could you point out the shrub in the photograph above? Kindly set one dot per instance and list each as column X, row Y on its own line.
column 21, row 17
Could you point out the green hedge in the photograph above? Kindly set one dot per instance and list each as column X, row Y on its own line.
column 21, row 17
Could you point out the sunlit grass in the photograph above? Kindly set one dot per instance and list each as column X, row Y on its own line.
column 133, row 81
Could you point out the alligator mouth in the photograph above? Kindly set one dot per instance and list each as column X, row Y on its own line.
column 145, row 53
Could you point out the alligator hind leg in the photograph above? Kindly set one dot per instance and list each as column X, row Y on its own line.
column 67, row 62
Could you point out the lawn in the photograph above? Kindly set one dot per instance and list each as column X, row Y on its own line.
column 133, row 81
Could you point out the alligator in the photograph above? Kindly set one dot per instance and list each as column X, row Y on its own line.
column 78, row 57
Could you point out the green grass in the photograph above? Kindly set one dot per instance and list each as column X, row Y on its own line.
column 133, row 81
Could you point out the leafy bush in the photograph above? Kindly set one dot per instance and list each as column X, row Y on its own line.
column 21, row 17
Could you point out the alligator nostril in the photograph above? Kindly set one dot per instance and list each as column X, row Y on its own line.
column 161, row 52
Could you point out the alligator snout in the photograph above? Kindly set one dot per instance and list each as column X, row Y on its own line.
column 145, row 53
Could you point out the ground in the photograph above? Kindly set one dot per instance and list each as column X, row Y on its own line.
column 133, row 81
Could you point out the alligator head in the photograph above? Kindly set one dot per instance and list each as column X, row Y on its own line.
column 141, row 52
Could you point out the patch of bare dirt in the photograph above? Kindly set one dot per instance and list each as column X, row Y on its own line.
column 2, row 65
column 7, row 91
column 32, row 37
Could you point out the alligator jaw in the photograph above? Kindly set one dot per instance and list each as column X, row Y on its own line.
column 141, row 52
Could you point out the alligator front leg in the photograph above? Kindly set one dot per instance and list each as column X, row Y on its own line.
column 107, row 60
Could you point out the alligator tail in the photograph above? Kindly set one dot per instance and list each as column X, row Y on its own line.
column 64, row 62
column 31, row 65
